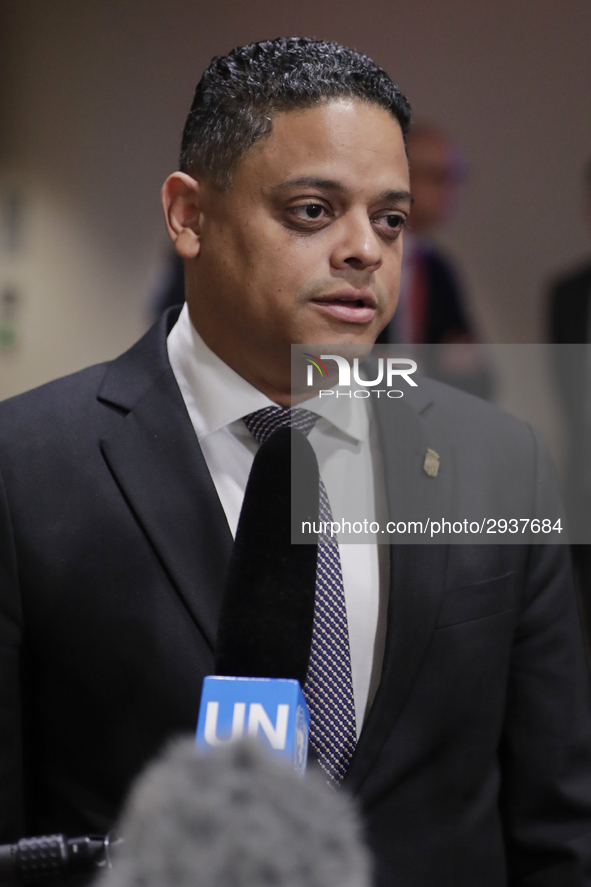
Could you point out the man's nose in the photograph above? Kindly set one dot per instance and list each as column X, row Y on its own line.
column 357, row 245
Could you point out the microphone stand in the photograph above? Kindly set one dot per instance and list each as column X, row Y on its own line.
column 43, row 859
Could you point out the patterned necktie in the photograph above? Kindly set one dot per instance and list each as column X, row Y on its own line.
column 329, row 685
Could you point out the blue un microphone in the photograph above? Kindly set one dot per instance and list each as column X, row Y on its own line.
column 267, row 612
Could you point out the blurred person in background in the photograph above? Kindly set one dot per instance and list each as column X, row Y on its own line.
column 236, row 817
column 570, row 324
column 432, row 307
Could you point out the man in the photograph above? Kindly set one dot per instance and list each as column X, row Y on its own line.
column 570, row 324
column 461, row 669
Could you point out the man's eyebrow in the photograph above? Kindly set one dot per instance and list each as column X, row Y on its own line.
column 312, row 182
column 393, row 195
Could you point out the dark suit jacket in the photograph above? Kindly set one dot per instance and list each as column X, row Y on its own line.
column 568, row 327
column 569, row 307
column 475, row 760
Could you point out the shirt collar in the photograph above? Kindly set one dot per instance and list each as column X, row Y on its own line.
column 216, row 396
column 348, row 415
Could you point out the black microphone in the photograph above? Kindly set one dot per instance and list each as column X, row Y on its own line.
column 266, row 618
column 267, row 613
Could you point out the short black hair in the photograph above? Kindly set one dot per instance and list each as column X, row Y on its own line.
column 239, row 92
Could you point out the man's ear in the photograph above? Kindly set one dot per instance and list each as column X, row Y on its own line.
column 181, row 202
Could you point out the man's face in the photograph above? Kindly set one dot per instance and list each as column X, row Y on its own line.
column 306, row 244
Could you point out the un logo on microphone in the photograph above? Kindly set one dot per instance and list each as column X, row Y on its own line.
column 272, row 710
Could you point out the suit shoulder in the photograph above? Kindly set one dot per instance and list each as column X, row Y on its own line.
column 118, row 383
column 52, row 417
column 64, row 394
column 471, row 418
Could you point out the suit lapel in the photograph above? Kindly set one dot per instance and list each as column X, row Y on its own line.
column 156, row 460
column 417, row 573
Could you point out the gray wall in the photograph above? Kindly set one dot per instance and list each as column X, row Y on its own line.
column 94, row 95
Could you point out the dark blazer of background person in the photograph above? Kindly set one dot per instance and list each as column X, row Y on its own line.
column 475, row 757
column 445, row 318
column 569, row 319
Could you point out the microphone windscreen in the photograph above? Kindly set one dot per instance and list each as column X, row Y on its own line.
column 236, row 816
column 265, row 626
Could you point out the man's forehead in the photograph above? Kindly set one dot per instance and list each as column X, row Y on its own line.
column 334, row 120
column 327, row 146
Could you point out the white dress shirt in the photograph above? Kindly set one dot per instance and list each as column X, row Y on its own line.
column 345, row 440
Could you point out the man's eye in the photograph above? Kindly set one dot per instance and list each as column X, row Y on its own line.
column 391, row 223
column 394, row 221
column 309, row 210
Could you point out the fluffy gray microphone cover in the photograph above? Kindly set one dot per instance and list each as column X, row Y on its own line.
column 236, row 817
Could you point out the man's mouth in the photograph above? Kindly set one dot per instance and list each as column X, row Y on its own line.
column 350, row 306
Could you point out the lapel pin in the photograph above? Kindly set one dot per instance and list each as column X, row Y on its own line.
column 431, row 463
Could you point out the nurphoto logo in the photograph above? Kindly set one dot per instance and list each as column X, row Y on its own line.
column 389, row 371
